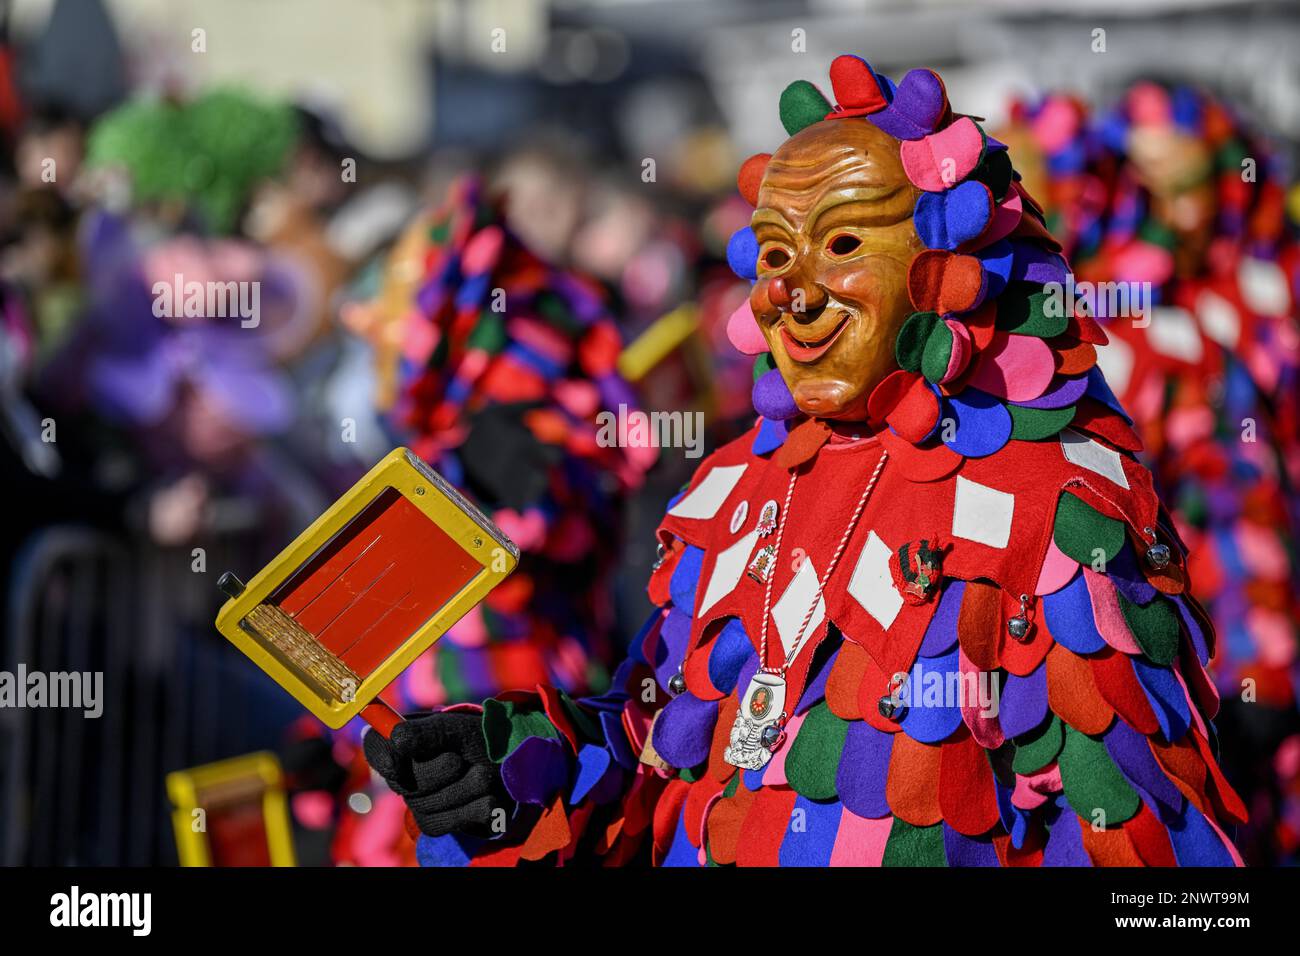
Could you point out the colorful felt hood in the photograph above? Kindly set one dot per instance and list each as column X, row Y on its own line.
column 988, row 350
column 492, row 324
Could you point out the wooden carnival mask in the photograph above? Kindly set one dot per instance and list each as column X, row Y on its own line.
column 835, row 236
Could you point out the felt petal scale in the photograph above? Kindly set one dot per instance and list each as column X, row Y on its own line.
column 1154, row 627
column 1034, row 424
column 943, row 282
column 1040, row 747
column 1068, row 613
column 536, row 770
column 1131, row 753
column 1030, row 315
column 1072, row 694
column 1113, row 674
column 979, row 624
column 1093, row 783
column 772, row 398
column 1014, row 367
column 742, row 253
column 1006, row 215
column 919, row 104
column 1057, row 571
column 864, row 763
column 669, row 651
column 1033, row 263
column 810, row 838
column 750, row 176
column 594, row 763
column 857, row 89
column 967, row 796
column 685, row 577
column 1084, row 533
column 1065, row 843
column 997, row 260
column 915, row 410
column 941, row 634
column 732, row 649
column 1124, row 574
column 983, row 424
column 912, row 787
column 743, row 331
column 1107, row 615
column 961, row 850
column 914, row 846
column 861, row 840
column 1023, row 704
column 814, row 755
column 942, row 159
column 1196, row 842
column 1167, row 698
column 947, row 351
column 802, row 104
column 909, row 345
column 949, row 220
column 980, row 704
column 771, row 436
column 684, row 730
column 928, row 716
column 1060, row 393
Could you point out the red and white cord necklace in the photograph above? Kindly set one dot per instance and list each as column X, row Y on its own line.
column 758, row 730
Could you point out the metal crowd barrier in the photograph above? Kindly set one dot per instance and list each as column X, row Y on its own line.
column 90, row 791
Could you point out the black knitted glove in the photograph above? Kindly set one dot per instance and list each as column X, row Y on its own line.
column 438, row 764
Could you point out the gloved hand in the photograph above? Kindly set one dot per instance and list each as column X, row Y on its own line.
column 438, row 764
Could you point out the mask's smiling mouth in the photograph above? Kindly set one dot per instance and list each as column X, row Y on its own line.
column 807, row 350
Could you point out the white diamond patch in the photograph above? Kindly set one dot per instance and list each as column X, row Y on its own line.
column 982, row 514
column 727, row 570
column 872, row 585
column 1096, row 457
column 710, row 493
column 788, row 613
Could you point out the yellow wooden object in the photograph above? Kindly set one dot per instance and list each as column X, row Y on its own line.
column 255, row 777
column 291, row 655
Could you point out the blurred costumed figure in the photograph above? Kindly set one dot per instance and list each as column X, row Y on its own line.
column 1168, row 192
column 916, row 513
column 499, row 369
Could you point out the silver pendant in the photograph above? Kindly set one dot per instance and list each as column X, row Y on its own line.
column 756, row 731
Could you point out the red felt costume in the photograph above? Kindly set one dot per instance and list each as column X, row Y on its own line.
column 1000, row 663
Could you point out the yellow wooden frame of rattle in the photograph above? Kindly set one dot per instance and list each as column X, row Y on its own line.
column 407, row 474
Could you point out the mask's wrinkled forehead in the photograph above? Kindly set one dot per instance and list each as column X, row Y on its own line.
column 830, row 162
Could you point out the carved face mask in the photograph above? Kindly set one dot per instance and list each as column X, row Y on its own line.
column 835, row 237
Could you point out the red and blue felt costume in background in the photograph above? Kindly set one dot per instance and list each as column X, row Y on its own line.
column 1211, row 380
column 497, row 365
column 1011, row 540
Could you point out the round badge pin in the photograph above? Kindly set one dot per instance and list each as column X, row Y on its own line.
column 738, row 516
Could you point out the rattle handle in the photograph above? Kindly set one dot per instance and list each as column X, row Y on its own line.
column 381, row 717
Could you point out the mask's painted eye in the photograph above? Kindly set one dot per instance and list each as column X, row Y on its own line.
column 776, row 258
column 844, row 244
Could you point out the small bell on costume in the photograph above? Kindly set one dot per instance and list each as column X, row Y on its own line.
column 1158, row 555
column 1020, row 625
